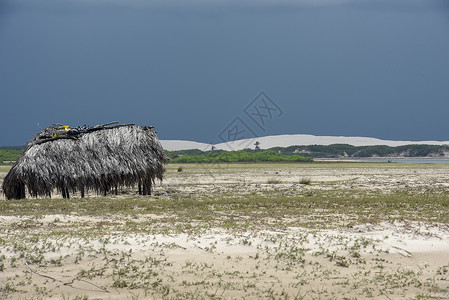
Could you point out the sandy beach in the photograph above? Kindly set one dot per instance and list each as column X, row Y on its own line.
column 238, row 231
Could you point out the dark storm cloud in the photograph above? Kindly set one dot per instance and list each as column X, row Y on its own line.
column 373, row 68
column 86, row 5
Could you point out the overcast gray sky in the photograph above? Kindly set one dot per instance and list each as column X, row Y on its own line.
column 190, row 68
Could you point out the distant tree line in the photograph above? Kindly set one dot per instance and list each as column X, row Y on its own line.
column 345, row 150
column 282, row 154
column 9, row 154
column 306, row 153
column 240, row 156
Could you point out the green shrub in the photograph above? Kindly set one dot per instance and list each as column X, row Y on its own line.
column 9, row 155
column 241, row 156
column 306, row 181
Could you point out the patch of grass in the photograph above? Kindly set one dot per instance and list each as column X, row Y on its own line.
column 306, row 181
column 5, row 168
column 78, row 297
column 102, row 236
column 334, row 207
column 273, row 181
column 242, row 156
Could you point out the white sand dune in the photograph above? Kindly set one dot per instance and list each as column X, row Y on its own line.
column 287, row 140
column 175, row 145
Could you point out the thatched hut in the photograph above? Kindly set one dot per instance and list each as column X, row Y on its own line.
column 101, row 158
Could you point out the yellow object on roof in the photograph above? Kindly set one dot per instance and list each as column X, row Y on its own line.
column 66, row 128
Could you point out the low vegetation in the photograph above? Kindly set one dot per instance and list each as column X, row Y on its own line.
column 281, row 154
column 330, row 151
column 306, row 181
column 227, row 210
column 9, row 155
column 345, row 150
column 241, row 156
column 224, row 231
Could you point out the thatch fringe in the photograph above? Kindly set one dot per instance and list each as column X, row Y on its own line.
column 101, row 160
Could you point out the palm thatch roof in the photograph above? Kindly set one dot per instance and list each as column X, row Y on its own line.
column 101, row 158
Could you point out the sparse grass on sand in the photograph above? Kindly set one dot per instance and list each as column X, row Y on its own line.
column 238, row 231
column 305, row 181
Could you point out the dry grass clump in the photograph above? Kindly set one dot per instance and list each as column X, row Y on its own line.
column 273, row 181
column 306, row 181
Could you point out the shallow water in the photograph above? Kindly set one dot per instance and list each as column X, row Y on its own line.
column 407, row 160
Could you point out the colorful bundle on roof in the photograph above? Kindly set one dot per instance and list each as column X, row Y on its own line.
column 60, row 131
column 102, row 158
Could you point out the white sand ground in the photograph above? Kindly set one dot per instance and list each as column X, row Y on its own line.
column 287, row 140
column 368, row 261
column 388, row 260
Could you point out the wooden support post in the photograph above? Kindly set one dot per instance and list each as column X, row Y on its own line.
column 144, row 188
column 63, row 191
column 149, row 187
